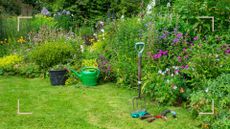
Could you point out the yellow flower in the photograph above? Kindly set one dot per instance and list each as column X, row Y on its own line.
column 21, row 40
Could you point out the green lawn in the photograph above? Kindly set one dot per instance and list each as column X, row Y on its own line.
column 77, row 107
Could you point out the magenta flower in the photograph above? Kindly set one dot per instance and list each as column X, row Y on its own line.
column 177, row 71
column 165, row 52
column 185, row 57
column 179, row 35
column 184, row 49
column 195, row 38
column 227, row 51
column 186, row 66
column 179, row 59
column 157, row 56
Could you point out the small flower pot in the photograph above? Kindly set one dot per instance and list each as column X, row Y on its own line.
column 58, row 77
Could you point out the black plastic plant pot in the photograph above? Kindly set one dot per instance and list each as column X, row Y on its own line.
column 58, row 77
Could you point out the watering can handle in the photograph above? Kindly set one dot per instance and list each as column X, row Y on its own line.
column 139, row 46
column 98, row 71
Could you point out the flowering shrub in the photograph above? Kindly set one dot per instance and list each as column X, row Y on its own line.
column 89, row 63
column 64, row 19
column 10, row 60
column 106, row 73
column 21, row 40
column 53, row 53
column 217, row 90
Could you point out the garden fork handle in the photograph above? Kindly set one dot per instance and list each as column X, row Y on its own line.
column 139, row 48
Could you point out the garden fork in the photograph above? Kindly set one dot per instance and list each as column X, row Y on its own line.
column 137, row 99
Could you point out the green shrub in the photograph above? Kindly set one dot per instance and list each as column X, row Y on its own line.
column 41, row 20
column 10, row 60
column 29, row 70
column 218, row 90
column 52, row 53
column 120, row 50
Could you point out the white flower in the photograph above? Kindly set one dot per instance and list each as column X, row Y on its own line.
column 206, row 90
column 172, row 75
column 168, row 4
column 174, row 87
column 167, row 69
column 167, row 81
column 102, row 30
column 160, row 71
column 150, row 6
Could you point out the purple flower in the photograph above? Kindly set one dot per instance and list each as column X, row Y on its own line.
column 175, row 30
column 45, row 11
column 157, row 56
column 179, row 35
column 195, row 38
column 179, row 59
column 176, row 40
column 227, row 51
column 186, row 66
column 185, row 57
column 163, row 36
column 184, row 49
column 165, row 52
column 177, row 71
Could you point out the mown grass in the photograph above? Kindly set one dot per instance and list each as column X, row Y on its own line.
column 77, row 107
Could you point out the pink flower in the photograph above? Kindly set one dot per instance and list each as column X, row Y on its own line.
column 184, row 49
column 186, row 66
column 195, row 38
column 177, row 71
column 157, row 56
column 179, row 35
column 227, row 51
column 179, row 59
column 185, row 57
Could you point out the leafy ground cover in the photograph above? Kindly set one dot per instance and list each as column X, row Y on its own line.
column 71, row 107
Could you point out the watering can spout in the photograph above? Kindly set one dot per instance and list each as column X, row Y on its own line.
column 76, row 73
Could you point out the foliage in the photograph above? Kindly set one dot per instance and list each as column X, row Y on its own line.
column 64, row 20
column 89, row 12
column 207, row 62
column 89, row 63
column 217, row 90
column 106, row 72
column 9, row 7
column 189, row 10
column 120, row 50
column 39, row 21
column 10, row 60
column 29, row 70
column 52, row 53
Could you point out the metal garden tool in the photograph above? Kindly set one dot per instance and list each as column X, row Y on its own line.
column 137, row 103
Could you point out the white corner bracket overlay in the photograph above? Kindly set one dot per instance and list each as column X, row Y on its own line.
column 208, row 113
column 22, row 17
column 22, row 113
column 209, row 17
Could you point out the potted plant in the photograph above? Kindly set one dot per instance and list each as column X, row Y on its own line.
column 58, row 75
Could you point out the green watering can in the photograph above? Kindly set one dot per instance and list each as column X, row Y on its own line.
column 88, row 75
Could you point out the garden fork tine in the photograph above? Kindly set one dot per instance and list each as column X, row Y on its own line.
column 139, row 48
